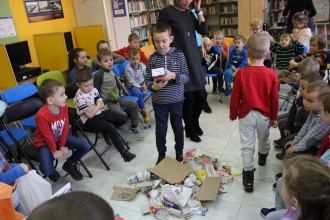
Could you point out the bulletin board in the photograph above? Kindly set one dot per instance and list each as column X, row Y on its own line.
column 51, row 51
column 87, row 37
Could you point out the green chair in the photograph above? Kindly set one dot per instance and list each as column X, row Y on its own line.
column 55, row 74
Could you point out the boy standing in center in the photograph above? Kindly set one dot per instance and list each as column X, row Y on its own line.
column 255, row 102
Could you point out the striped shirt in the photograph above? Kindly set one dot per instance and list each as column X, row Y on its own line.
column 134, row 77
column 285, row 54
column 173, row 61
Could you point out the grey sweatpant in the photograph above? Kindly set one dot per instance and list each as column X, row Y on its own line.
column 132, row 109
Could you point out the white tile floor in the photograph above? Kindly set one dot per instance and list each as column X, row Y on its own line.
column 220, row 139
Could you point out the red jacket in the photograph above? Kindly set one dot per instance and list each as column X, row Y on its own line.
column 325, row 145
column 125, row 51
column 255, row 88
column 51, row 129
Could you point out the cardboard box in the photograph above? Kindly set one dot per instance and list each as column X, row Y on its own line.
column 171, row 170
column 209, row 189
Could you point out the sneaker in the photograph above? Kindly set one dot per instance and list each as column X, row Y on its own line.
column 146, row 115
column 207, row 108
column 274, row 187
column 55, row 176
column 275, row 142
column 248, row 178
column 179, row 156
column 135, row 131
column 278, row 147
column 280, row 156
column 277, row 176
column 161, row 156
column 222, row 90
column 73, row 169
column 127, row 156
column 265, row 211
column 262, row 159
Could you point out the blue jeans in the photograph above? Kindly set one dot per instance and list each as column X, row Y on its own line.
column 162, row 112
column 135, row 91
column 46, row 158
column 228, row 76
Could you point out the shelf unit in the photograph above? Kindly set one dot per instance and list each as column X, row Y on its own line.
column 275, row 17
column 221, row 15
column 323, row 29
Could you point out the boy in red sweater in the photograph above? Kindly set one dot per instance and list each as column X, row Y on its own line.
column 52, row 139
column 134, row 42
column 255, row 102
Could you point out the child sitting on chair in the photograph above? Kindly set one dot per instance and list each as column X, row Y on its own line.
column 77, row 60
column 212, row 61
column 237, row 59
column 90, row 108
column 135, row 74
column 52, row 139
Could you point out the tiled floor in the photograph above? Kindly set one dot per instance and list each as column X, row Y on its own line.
column 220, row 139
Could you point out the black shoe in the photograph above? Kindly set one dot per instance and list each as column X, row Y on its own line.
column 265, row 211
column 274, row 187
column 262, row 159
column 278, row 141
column 277, row 176
column 161, row 156
column 207, row 108
column 280, row 156
column 222, row 90
column 198, row 129
column 248, row 178
column 127, row 156
column 73, row 169
column 179, row 156
column 278, row 147
column 192, row 135
column 55, row 176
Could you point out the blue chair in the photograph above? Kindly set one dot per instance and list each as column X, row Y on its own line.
column 20, row 93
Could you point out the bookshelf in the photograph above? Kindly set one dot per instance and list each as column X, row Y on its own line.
column 221, row 15
column 275, row 9
column 323, row 29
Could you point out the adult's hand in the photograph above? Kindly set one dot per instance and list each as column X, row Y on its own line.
column 197, row 4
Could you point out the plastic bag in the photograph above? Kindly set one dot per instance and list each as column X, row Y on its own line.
column 33, row 190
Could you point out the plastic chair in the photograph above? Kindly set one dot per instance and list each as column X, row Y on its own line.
column 148, row 50
column 55, row 74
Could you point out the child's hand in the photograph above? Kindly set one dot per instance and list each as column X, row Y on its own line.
column 233, row 68
column 100, row 104
column 293, row 64
column 159, row 85
column 64, row 150
column 286, row 133
column 289, row 151
column 273, row 123
column 144, row 88
column 289, row 144
column 25, row 167
column 57, row 154
column 169, row 75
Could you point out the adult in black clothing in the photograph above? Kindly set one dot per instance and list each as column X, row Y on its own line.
column 294, row 6
column 184, row 25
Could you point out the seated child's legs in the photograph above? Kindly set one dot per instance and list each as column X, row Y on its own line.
column 116, row 111
column 115, row 116
column 228, row 76
column 132, row 110
column 80, row 146
column 161, row 118
column 176, row 123
column 46, row 160
column 219, row 78
column 138, row 93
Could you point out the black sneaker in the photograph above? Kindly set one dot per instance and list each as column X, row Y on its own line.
column 179, row 156
column 280, row 156
column 161, row 156
column 278, row 141
column 278, row 147
column 127, row 156
column 136, row 131
column 277, row 176
column 248, row 178
column 55, row 176
column 265, row 211
column 274, row 187
column 262, row 159
column 222, row 90
column 73, row 169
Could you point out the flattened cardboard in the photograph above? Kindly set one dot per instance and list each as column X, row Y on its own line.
column 209, row 189
column 123, row 193
column 171, row 170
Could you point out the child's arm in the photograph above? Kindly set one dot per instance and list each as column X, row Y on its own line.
column 129, row 76
column 235, row 98
column 304, row 35
column 230, row 61
column 273, row 47
column 292, row 115
column 15, row 172
column 299, row 48
column 225, row 49
column 65, row 131
column 244, row 62
column 43, row 126
column 122, row 51
column 274, row 101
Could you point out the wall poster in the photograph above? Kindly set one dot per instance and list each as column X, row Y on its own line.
column 43, row 10
column 7, row 27
column 118, row 8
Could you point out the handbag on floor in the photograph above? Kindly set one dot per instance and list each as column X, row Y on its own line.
column 33, row 190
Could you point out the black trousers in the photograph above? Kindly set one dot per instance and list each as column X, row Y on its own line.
column 192, row 107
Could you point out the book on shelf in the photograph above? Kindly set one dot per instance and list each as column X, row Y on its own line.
column 154, row 17
column 134, row 6
column 138, row 20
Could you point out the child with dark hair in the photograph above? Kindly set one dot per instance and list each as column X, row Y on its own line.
column 105, row 45
column 52, row 139
column 301, row 32
column 77, row 59
column 90, row 108
column 135, row 81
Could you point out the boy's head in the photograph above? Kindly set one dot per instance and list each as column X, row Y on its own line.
column 52, row 92
column 134, row 57
column 239, row 42
column 218, row 38
column 317, row 43
column 206, row 44
column 314, row 92
column 134, row 41
column 105, row 59
column 256, row 26
column 103, row 44
column 258, row 46
column 85, row 80
column 326, row 109
column 306, row 78
column 309, row 65
column 163, row 37
column 285, row 40
column 77, row 57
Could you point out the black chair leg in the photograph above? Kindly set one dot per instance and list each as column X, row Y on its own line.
column 86, row 169
column 123, row 140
